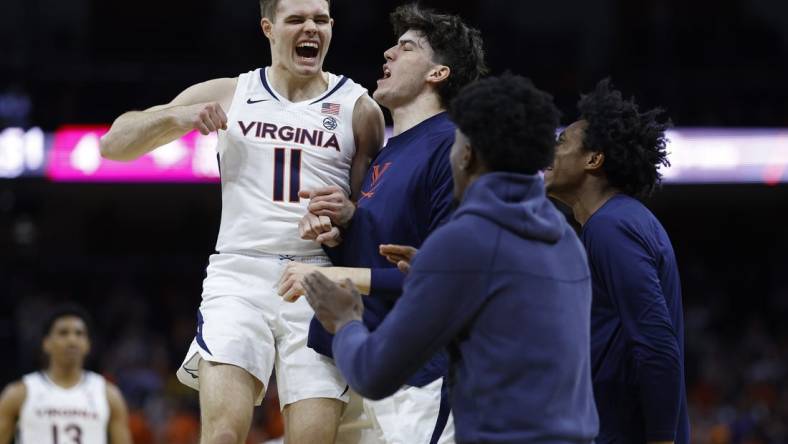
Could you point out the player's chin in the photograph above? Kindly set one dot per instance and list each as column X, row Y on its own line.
column 307, row 65
column 381, row 95
column 548, row 185
column 307, row 71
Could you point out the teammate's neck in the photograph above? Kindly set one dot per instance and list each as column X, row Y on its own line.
column 589, row 199
column 295, row 88
column 65, row 377
column 421, row 108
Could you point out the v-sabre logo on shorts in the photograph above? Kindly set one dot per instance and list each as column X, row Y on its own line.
column 316, row 138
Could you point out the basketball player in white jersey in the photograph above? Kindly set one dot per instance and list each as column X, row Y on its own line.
column 64, row 403
column 283, row 128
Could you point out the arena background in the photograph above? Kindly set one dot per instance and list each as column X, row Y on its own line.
column 134, row 253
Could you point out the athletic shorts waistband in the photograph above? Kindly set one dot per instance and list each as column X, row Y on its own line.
column 312, row 259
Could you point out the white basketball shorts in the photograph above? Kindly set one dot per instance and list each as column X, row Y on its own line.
column 406, row 417
column 242, row 321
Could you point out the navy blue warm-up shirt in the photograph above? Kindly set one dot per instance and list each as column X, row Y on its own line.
column 406, row 194
column 637, row 326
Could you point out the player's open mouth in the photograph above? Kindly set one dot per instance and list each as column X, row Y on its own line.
column 386, row 73
column 307, row 50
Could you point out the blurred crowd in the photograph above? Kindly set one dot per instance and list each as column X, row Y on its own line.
column 737, row 386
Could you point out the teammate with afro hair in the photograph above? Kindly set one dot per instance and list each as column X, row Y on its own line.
column 604, row 162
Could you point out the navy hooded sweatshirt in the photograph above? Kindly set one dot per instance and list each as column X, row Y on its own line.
column 505, row 285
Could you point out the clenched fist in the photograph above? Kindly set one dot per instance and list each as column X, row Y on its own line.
column 204, row 117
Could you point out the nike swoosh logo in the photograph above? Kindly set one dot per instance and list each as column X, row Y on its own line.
column 251, row 102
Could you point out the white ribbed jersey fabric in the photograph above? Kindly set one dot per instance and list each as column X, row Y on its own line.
column 272, row 149
column 52, row 414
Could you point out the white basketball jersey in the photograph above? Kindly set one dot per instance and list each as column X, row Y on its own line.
column 272, row 149
column 54, row 415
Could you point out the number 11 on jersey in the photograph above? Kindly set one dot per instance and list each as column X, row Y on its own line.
column 280, row 163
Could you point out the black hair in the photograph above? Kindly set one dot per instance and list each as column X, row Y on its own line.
column 633, row 142
column 453, row 43
column 62, row 311
column 511, row 124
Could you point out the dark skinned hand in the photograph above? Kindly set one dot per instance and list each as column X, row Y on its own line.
column 334, row 305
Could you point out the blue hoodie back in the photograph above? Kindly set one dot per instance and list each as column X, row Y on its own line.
column 506, row 286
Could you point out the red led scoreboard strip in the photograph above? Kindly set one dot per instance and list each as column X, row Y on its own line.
column 74, row 157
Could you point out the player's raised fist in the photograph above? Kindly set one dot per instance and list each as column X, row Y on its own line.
column 204, row 117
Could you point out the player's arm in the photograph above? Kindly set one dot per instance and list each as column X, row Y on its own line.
column 118, row 417
column 368, row 132
column 199, row 107
column 384, row 281
column 291, row 283
column 329, row 207
column 442, row 294
column 11, row 401
column 630, row 272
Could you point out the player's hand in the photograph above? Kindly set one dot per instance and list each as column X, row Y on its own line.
column 331, row 202
column 400, row 255
column 290, row 285
column 335, row 305
column 203, row 117
column 319, row 229
column 311, row 226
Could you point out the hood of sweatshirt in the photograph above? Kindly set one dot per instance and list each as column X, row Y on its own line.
column 516, row 202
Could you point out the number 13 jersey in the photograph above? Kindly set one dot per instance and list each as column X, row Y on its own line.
column 52, row 414
column 272, row 149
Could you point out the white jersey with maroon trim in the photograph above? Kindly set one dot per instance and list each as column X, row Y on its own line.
column 272, row 149
column 52, row 414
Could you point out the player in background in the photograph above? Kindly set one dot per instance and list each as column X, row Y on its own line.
column 604, row 162
column 64, row 403
column 283, row 128
column 406, row 194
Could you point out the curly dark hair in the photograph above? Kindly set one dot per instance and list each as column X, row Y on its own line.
column 633, row 142
column 268, row 8
column 61, row 311
column 510, row 123
column 454, row 43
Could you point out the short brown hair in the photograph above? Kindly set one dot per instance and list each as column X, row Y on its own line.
column 268, row 8
column 454, row 43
